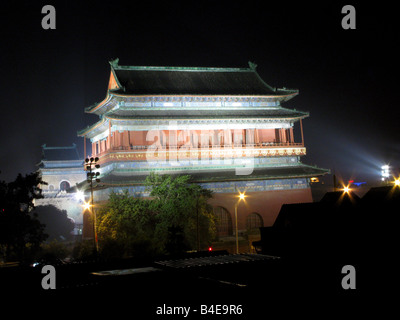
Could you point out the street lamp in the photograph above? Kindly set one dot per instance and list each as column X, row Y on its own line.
column 86, row 206
column 346, row 189
column 91, row 164
column 241, row 196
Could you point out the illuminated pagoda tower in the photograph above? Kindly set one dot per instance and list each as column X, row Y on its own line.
column 224, row 126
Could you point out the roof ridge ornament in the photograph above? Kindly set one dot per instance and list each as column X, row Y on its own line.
column 114, row 63
column 252, row 65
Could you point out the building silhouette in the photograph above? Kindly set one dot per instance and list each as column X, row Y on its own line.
column 338, row 230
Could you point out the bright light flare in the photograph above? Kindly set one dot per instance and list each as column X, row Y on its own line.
column 80, row 196
column 86, row 206
column 385, row 171
column 241, row 196
column 346, row 189
column 397, row 182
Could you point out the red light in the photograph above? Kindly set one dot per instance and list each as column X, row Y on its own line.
column 209, row 248
column 351, row 181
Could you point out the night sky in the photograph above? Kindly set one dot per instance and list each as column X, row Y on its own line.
column 347, row 78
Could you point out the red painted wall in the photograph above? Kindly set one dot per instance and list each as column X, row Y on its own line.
column 265, row 203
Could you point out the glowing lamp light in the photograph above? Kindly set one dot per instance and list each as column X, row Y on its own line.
column 80, row 196
column 241, row 197
column 210, row 249
column 397, row 182
column 86, row 205
column 346, row 189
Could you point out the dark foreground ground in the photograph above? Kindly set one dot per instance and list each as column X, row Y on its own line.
column 257, row 289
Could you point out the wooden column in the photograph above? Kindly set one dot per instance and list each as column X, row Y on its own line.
column 117, row 138
column 291, row 135
column 301, row 130
column 221, row 137
column 228, row 137
column 256, row 137
column 283, row 136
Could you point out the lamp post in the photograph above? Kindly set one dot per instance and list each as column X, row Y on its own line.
column 241, row 197
column 91, row 163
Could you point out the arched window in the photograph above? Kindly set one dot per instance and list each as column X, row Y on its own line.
column 224, row 221
column 254, row 221
column 64, row 185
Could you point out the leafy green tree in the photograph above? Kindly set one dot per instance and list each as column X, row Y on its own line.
column 52, row 250
column 176, row 218
column 125, row 227
column 20, row 232
column 184, row 219
column 83, row 250
column 58, row 225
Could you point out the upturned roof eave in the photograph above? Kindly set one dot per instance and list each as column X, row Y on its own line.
column 105, row 118
column 296, row 114
column 291, row 93
column 92, row 108
column 280, row 93
column 315, row 172
column 85, row 131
